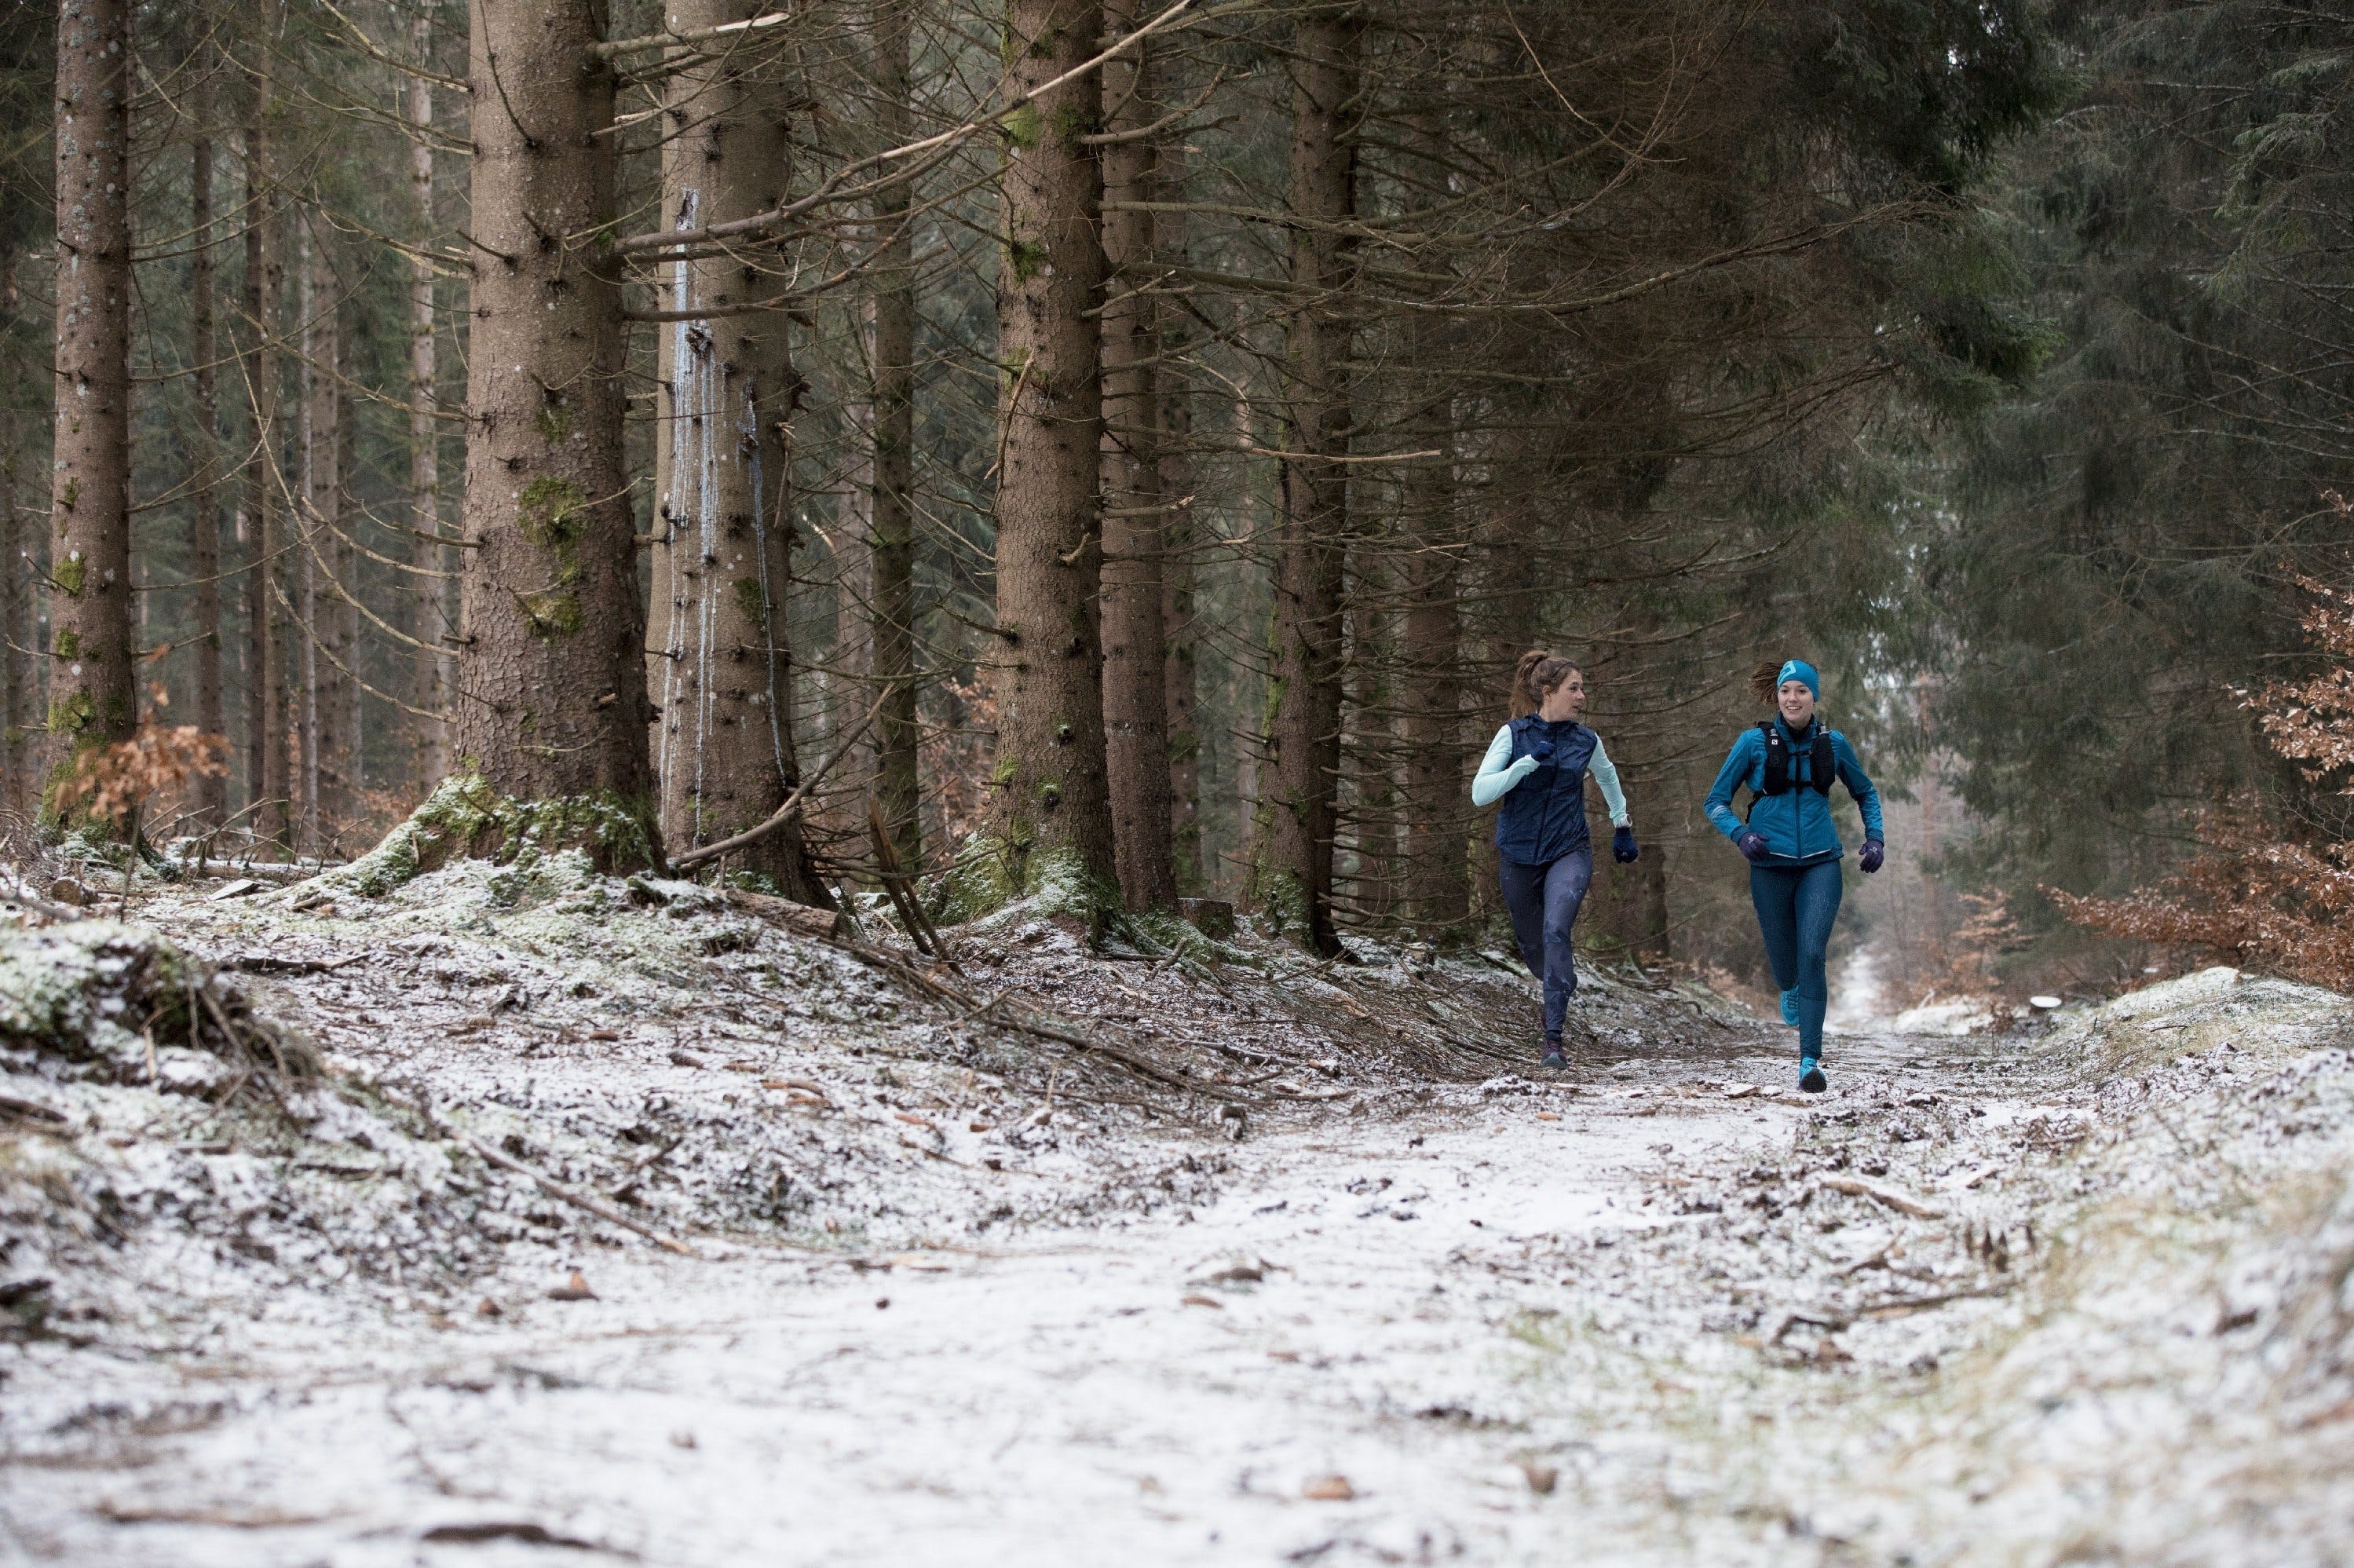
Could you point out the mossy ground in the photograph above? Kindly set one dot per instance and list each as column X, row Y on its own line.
column 465, row 817
column 996, row 881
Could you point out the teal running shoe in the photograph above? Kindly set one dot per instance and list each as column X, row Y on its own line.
column 1810, row 1076
column 1790, row 1007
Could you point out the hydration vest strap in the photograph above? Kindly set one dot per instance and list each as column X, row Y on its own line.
column 1781, row 762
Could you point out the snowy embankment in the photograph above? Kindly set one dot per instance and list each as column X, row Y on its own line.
column 1224, row 1257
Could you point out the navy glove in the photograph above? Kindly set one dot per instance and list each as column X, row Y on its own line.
column 1872, row 855
column 1752, row 846
column 1541, row 749
column 1622, row 846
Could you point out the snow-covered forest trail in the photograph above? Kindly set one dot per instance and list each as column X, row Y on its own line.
column 2075, row 1296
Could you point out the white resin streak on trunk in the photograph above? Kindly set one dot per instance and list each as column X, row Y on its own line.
column 689, row 475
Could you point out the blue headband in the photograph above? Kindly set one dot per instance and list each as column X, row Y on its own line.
column 1799, row 670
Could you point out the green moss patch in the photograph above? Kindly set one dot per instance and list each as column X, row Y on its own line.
column 552, row 614
column 997, row 876
column 103, row 998
column 1022, row 127
column 465, row 818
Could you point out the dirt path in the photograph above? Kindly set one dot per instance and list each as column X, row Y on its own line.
column 1370, row 1304
column 2072, row 1300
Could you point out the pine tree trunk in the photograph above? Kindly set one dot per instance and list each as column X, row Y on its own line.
column 319, row 444
column 1135, row 697
column 15, row 632
column 1631, row 901
column 1181, row 705
column 1437, row 804
column 848, row 687
column 267, row 755
column 1293, row 869
column 209, row 794
column 1437, row 889
column 1369, row 658
column 550, row 698
column 1050, row 808
column 726, row 758
column 432, row 620
column 892, row 503
column 91, row 701
column 350, row 766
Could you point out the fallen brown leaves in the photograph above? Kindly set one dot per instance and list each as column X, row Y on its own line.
column 109, row 781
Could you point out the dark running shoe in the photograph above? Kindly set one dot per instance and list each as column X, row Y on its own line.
column 1553, row 1059
column 1810, row 1076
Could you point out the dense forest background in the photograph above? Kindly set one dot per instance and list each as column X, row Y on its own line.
column 1132, row 443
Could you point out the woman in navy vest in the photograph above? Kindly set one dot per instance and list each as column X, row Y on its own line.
column 1537, row 765
column 1791, row 843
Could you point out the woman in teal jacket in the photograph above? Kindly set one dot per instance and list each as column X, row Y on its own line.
column 1791, row 843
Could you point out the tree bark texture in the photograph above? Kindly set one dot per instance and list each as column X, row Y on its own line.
column 1051, row 794
column 433, row 615
column 268, row 754
column 16, row 743
column 551, row 699
column 1367, row 819
column 1293, row 867
column 91, row 701
column 892, row 501
column 1135, row 696
column 209, row 793
column 1435, row 793
column 322, row 560
column 344, row 613
column 1437, row 889
column 1180, row 702
column 725, row 743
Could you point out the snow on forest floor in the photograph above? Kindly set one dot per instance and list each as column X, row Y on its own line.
column 963, row 1294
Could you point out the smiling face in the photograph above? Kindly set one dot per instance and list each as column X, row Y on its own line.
column 1565, row 701
column 1797, row 702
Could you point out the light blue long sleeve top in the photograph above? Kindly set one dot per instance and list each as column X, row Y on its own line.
column 1498, row 774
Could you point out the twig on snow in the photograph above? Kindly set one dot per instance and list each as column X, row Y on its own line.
column 1904, row 1204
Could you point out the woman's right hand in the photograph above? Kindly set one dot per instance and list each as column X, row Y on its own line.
column 1539, row 750
column 1752, row 846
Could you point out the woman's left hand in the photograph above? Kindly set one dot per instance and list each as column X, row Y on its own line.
column 1623, row 847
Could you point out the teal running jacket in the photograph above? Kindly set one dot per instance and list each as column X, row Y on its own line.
column 1797, row 825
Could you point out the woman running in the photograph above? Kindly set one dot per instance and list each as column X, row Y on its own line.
column 1537, row 765
column 1791, row 845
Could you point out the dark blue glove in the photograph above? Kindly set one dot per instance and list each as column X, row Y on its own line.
column 1541, row 749
column 1873, row 853
column 1752, row 846
column 1622, row 846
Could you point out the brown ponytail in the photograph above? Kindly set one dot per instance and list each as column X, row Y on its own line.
column 1764, row 680
column 1537, row 673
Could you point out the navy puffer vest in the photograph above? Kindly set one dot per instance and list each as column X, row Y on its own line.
column 1544, row 816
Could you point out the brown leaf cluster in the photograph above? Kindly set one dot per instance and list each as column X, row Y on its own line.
column 2254, row 893
column 109, row 781
column 2312, row 722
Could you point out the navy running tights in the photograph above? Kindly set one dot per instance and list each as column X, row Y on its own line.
column 1795, row 906
column 1543, row 900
